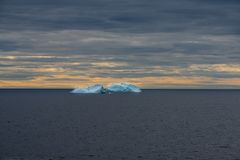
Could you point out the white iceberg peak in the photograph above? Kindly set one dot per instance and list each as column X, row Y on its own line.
column 97, row 88
column 115, row 87
column 123, row 87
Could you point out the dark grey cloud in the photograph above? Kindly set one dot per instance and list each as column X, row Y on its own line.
column 211, row 17
column 6, row 45
column 18, row 76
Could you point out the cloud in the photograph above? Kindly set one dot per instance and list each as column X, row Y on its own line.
column 93, row 41
column 234, row 68
column 126, row 16
column 145, row 82
column 81, row 42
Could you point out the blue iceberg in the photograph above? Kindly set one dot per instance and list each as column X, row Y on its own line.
column 123, row 87
column 115, row 87
column 91, row 89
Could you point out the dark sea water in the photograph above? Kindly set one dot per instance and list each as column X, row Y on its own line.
column 152, row 125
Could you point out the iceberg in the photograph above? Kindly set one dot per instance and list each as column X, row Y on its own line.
column 91, row 89
column 115, row 87
column 122, row 87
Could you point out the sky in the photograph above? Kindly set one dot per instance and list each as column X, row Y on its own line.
column 150, row 43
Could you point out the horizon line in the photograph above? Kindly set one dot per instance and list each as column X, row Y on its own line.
column 10, row 88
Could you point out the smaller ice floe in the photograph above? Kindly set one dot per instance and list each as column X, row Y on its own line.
column 91, row 89
column 122, row 87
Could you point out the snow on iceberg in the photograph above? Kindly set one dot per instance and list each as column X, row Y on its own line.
column 122, row 87
column 91, row 89
column 115, row 87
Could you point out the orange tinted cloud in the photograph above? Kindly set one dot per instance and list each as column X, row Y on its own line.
column 145, row 82
column 216, row 67
column 77, row 71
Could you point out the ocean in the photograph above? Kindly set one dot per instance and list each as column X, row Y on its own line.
column 49, row 124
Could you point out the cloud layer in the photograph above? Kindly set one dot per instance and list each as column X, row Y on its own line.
column 157, row 44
